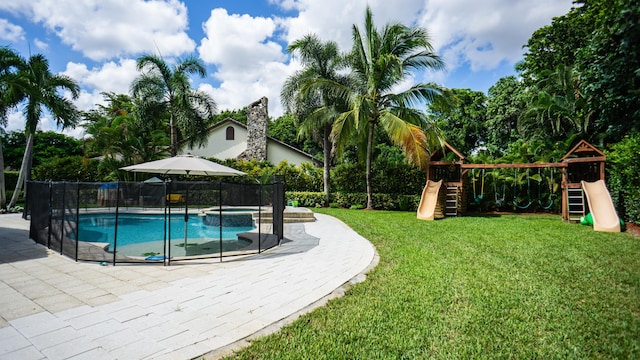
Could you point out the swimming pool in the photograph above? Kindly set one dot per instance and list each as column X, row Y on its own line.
column 141, row 234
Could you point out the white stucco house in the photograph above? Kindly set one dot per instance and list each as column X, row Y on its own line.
column 230, row 139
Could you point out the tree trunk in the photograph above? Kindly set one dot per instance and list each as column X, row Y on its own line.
column 23, row 172
column 174, row 137
column 327, row 164
column 3, row 193
column 368, row 170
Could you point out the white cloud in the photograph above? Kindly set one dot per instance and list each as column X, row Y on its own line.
column 249, row 63
column 334, row 19
column 485, row 34
column 482, row 35
column 15, row 120
column 108, row 29
column 10, row 32
column 43, row 46
column 109, row 77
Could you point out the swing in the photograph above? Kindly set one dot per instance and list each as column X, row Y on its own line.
column 515, row 192
column 551, row 194
column 499, row 201
column 477, row 198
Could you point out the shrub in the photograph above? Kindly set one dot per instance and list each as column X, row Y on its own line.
column 10, row 180
column 305, row 198
column 623, row 174
column 70, row 168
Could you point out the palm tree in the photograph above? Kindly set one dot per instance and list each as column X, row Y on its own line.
column 10, row 84
column 381, row 60
column 120, row 137
column 41, row 90
column 557, row 105
column 167, row 88
column 318, row 110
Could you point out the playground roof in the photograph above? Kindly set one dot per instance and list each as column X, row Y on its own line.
column 440, row 153
column 583, row 149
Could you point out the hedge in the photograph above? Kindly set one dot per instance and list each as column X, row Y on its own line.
column 623, row 172
column 349, row 200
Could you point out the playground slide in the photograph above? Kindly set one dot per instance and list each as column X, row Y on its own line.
column 601, row 206
column 429, row 199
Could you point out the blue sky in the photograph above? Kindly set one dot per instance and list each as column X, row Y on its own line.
column 243, row 42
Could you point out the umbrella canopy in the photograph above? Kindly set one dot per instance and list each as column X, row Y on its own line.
column 184, row 165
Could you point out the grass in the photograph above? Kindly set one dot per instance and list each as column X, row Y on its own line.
column 510, row 286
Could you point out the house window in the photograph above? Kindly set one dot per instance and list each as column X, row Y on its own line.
column 230, row 133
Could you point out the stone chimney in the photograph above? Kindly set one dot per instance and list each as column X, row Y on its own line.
column 257, row 123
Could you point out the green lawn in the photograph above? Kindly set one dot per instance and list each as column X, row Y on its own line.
column 511, row 286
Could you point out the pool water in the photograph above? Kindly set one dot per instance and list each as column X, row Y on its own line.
column 142, row 228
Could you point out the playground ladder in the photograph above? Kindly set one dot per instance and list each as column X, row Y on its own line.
column 451, row 201
column 575, row 199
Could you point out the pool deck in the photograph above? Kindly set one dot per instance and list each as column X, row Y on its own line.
column 52, row 307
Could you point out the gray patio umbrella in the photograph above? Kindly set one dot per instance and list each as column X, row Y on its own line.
column 184, row 165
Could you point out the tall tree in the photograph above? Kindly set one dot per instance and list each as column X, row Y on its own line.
column 42, row 90
column 117, row 133
column 609, row 68
column 558, row 43
column 556, row 106
column 505, row 103
column 12, row 87
column 160, row 86
column 462, row 121
column 316, row 111
column 382, row 60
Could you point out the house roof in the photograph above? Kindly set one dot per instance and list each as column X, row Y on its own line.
column 269, row 138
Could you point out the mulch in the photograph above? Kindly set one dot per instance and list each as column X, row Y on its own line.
column 633, row 229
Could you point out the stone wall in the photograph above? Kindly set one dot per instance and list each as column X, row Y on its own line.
column 257, row 122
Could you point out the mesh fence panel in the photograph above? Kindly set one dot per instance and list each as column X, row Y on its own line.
column 159, row 222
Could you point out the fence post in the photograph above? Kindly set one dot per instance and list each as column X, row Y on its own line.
column 64, row 214
column 50, row 186
column 115, row 228
column 220, row 216
column 77, row 219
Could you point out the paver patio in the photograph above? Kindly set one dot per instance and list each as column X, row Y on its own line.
column 52, row 307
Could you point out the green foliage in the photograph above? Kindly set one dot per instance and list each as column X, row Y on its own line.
column 600, row 41
column 504, row 287
column 380, row 201
column 47, row 145
column 462, row 121
column 10, row 178
column 623, row 167
column 68, row 168
column 505, row 104
column 391, row 173
column 305, row 198
column 237, row 115
column 285, row 129
column 303, row 178
column 558, row 43
column 164, row 89
column 610, row 67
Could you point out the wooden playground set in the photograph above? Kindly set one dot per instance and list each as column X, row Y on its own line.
column 573, row 186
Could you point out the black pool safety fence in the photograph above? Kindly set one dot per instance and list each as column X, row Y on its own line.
column 155, row 222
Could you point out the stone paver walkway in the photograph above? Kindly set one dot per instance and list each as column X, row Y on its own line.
column 54, row 308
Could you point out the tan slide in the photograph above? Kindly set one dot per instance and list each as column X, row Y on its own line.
column 429, row 199
column 601, row 206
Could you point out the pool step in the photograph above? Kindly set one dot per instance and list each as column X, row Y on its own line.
column 291, row 215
